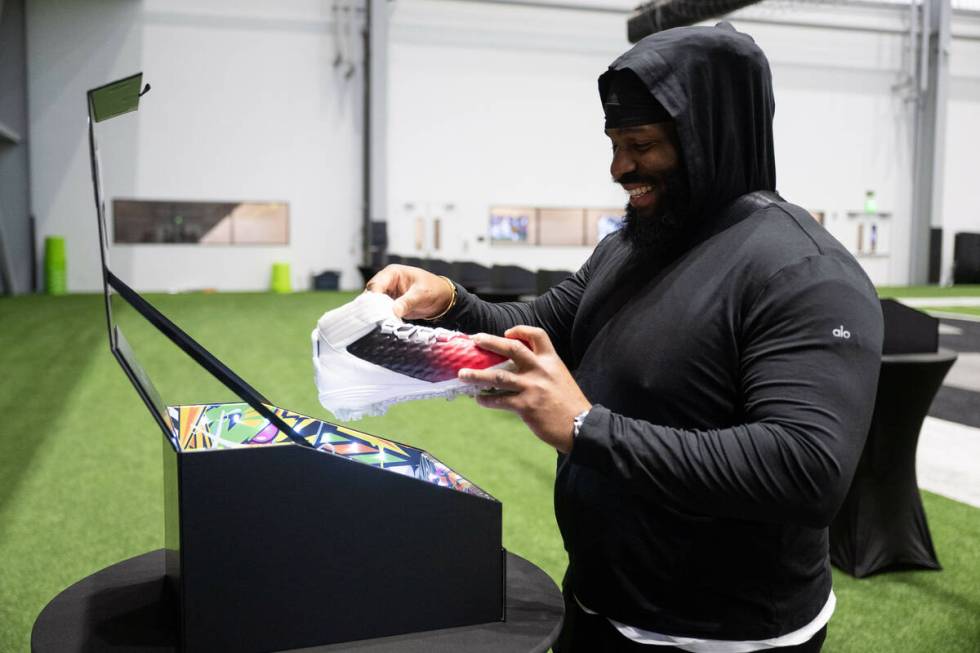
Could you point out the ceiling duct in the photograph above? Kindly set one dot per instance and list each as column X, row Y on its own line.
column 659, row 15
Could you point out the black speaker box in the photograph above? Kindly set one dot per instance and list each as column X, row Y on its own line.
column 966, row 258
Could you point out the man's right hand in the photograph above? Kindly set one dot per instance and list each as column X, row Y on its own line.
column 418, row 294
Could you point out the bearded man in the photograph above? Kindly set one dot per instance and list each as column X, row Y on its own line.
column 692, row 375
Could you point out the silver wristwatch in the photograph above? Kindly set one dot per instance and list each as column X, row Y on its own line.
column 578, row 421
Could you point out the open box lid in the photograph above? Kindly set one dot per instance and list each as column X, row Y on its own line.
column 104, row 103
column 122, row 97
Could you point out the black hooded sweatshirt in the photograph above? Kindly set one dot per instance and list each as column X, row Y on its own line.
column 732, row 391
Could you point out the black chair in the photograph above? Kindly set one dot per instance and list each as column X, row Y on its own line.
column 548, row 279
column 438, row 266
column 470, row 275
column 367, row 271
column 508, row 283
column 882, row 524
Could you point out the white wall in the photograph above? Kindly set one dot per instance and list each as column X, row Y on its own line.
column 961, row 197
column 488, row 104
column 841, row 128
column 245, row 105
column 496, row 105
column 72, row 47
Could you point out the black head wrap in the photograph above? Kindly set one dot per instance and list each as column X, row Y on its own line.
column 716, row 84
column 629, row 102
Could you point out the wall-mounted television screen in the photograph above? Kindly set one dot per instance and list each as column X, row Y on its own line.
column 512, row 225
column 602, row 222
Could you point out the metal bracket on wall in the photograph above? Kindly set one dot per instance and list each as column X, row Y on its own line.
column 6, row 274
column 13, row 148
column 930, row 134
column 6, row 133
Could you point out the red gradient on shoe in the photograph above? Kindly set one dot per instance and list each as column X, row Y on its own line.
column 433, row 360
column 461, row 352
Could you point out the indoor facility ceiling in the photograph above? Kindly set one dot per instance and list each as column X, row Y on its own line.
column 628, row 6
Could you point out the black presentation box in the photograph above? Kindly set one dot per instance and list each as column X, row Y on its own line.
column 274, row 545
column 285, row 531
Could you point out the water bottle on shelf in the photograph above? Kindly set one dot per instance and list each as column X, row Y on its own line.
column 870, row 203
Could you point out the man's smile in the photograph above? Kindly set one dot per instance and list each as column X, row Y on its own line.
column 641, row 195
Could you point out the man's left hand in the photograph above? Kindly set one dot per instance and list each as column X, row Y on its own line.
column 541, row 390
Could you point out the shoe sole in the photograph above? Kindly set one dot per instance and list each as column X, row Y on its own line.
column 352, row 402
column 355, row 402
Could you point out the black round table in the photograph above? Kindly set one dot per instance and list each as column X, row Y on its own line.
column 882, row 525
column 124, row 608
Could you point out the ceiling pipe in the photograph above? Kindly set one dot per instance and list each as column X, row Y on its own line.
column 659, row 15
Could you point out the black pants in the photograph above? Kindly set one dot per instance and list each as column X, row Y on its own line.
column 588, row 633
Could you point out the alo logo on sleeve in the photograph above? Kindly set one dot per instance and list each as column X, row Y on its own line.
column 841, row 332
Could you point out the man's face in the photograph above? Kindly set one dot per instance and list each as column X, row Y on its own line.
column 644, row 159
column 646, row 163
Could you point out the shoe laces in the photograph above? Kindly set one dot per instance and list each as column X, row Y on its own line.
column 416, row 332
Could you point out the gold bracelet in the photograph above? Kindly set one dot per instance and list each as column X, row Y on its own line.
column 452, row 302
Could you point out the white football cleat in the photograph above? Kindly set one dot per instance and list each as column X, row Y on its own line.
column 366, row 359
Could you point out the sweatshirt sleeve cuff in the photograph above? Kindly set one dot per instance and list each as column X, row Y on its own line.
column 592, row 443
column 464, row 300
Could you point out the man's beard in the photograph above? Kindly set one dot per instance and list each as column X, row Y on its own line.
column 661, row 236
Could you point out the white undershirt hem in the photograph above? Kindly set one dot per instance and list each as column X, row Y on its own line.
column 696, row 645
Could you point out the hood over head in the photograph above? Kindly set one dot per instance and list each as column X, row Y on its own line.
column 715, row 84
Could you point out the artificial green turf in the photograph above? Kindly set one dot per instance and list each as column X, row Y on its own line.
column 80, row 463
column 929, row 291
column 81, row 479
column 963, row 310
column 917, row 611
